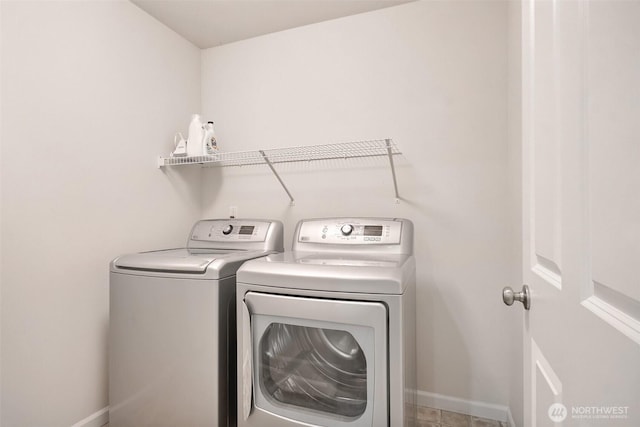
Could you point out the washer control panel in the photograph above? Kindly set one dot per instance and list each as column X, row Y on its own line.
column 221, row 230
column 359, row 231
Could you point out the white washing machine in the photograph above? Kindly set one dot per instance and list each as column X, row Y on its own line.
column 172, row 326
column 326, row 332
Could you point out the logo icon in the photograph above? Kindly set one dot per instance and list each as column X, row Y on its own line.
column 557, row 412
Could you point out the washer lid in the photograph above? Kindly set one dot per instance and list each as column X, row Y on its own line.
column 171, row 260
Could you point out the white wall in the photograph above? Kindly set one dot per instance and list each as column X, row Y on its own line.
column 91, row 93
column 432, row 76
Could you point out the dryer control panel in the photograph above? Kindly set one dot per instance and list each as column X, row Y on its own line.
column 351, row 231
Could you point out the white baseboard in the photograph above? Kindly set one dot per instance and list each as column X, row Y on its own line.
column 467, row 407
column 510, row 420
column 97, row 419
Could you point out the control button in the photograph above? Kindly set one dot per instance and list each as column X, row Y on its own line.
column 227, row 230
column 346, row 229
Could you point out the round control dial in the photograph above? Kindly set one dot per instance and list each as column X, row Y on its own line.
column 227, row 230
column 346, row 229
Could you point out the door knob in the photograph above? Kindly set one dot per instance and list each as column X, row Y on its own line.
column 509, row 296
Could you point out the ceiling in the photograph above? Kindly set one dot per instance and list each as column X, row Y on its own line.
column 209, row 23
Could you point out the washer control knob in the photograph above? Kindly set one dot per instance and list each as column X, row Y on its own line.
column 227, row 230
column 346, row 229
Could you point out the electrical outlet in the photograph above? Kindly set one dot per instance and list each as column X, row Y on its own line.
column 233, row 211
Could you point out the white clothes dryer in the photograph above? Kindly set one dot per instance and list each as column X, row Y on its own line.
column 326, row 332
column 172, row 326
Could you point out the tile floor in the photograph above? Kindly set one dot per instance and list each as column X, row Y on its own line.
column 430, row 417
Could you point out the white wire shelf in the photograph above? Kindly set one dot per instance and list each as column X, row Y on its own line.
column 345, row 150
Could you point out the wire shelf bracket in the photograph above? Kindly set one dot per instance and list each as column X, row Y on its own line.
column 268, row 162
column 271, row 157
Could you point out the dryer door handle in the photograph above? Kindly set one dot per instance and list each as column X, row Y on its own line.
column 247, row 362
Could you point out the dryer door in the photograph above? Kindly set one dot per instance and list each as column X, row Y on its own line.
column 316, row 362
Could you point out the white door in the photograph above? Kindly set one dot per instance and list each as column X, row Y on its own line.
column 581, row 212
